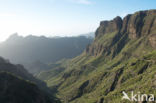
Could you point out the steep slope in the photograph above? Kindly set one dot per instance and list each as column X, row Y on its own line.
column 121, row 58
column 17, row 90
column 17, row 83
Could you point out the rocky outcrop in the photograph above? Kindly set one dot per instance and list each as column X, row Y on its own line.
column 109, row 26
column 141, row 23
column 133, row 26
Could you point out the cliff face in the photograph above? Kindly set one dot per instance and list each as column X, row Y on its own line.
column 136, row 25
column 140, row 24
column 109, row 26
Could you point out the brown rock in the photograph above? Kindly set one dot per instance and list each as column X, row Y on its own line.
column 109, row 26
column 139, row 24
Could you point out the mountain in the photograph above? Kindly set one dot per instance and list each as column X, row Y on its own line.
column 33, row 48
column 19, row 86
column 30, row 49
column 121, row 58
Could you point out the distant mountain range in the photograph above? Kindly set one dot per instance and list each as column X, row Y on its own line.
column 30, row 49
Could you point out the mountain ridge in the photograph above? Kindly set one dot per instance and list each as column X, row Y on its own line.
column 33, row 47
column 30, row 49
column 121, row 58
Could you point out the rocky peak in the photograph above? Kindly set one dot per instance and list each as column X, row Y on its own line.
column 109, row 26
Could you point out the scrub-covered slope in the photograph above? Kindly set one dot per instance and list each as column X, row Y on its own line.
column 19, row 86
column 121, row 58
column 17, row 90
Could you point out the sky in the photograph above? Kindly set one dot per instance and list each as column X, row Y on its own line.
column 62, row 17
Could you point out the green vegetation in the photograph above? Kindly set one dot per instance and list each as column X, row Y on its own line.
column 19, row 86
column 16, row 90
column 119, row 59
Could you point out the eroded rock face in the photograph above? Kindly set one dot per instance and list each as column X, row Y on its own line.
column 135, row 24
column 139, row 24
column 125, row 23
column 109, row 26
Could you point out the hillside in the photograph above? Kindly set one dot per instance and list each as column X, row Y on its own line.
column 16, row 90
column 121, row 58
column 19, row 86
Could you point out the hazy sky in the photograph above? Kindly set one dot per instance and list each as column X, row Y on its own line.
column 62, row 17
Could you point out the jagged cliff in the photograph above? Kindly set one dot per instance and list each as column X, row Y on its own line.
column 121, row 58
column 140, row 24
